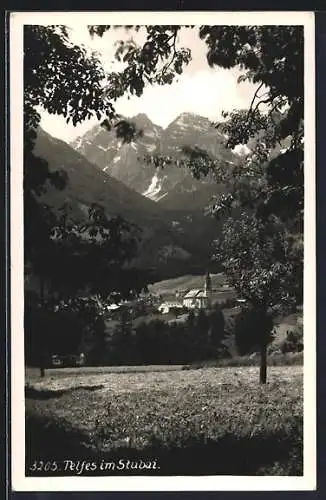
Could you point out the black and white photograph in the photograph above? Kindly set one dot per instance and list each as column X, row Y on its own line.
column 162, row 251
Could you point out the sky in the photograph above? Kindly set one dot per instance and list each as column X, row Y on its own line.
column 200, row 89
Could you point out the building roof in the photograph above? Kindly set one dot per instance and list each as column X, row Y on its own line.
column 170, row 304
column 113, row 307
column 192, row 294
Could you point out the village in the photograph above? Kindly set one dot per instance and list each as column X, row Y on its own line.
column 174, row 303
column 171, row 303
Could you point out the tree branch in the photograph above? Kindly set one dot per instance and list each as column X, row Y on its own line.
column 253, row 100
column 262, row 101
column 174, row 37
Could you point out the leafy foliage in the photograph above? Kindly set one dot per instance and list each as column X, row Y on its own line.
column 249, row 325
column 94, row 255
column 261, row 262
column 61, row 327
column 61, row 77
column 117, row 339
column 156, row 62
column 155, row 341
column 71, row 258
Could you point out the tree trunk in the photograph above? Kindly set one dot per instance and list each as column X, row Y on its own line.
column 263, row 362
column 41, row 289
column 42, row 367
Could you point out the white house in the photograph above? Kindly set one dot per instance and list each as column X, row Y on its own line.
column 166, row 307
column 190, row 300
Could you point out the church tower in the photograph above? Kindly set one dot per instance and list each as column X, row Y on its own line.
column 208, row 290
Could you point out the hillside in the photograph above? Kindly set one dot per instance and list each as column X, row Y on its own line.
column 87, row 184
column 186, row 282
column 196, row 200
column 172, row 243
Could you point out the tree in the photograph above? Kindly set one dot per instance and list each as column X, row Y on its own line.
column 60, row 78
column 85, row 264
column 264, row 265
column 216, row 331
column 95, row 256
column 69, row 257
column 123, row 338
column 262, row 250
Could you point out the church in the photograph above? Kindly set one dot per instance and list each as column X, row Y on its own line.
column 199, row 298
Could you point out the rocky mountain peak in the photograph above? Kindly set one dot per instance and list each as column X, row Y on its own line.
column 126, row 162
column 142, row 118
column 190, row 120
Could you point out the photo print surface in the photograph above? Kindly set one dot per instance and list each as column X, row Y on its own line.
column 160, row 244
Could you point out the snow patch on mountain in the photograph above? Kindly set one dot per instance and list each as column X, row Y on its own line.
column 197, row 127
column 241, row 150
column 154, row 189
column 78, row 142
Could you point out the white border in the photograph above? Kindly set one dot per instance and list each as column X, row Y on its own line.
column 194, row 483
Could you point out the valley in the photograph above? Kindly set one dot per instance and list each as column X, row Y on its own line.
column 168, row 204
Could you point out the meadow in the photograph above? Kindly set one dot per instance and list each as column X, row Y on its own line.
column 210, row 420
column 185, row 282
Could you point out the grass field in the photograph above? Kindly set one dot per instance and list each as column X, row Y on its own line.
column 205, row 421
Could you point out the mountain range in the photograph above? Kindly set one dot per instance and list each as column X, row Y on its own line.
column 173, row 187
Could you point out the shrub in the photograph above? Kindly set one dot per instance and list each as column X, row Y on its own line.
column 293, row 341
column 200, row 336
column 274, row 359
column 63, row 329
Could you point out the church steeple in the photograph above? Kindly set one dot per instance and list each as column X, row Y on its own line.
column 208, row 282
column 208, row 289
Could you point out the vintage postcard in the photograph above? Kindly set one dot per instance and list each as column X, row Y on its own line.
column 162, row 251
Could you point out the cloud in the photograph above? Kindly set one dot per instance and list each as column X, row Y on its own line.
column 206, row 93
